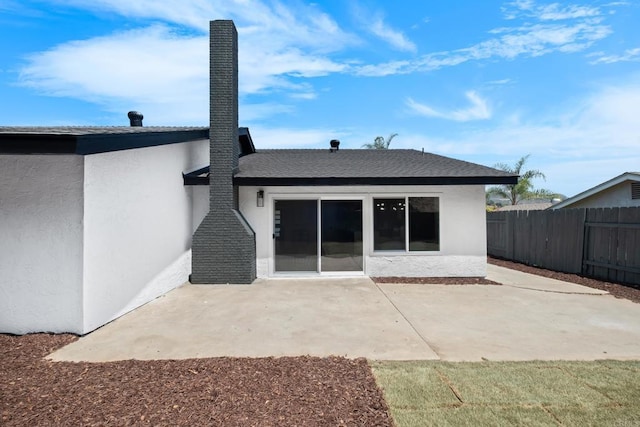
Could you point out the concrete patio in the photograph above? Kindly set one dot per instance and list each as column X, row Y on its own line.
column 527, row 318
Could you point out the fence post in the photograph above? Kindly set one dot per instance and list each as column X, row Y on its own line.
column 585, row 242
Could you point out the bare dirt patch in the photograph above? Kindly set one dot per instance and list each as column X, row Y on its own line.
column 615, row 289
column 302, row 391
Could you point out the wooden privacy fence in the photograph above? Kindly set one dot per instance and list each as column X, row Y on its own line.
column 603, row 243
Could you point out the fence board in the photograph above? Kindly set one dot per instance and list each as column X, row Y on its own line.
column 496, row 234
column 629, row 244
column 602, row 242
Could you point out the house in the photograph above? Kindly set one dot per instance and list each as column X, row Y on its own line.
column 373, row 212
column 618, row 192
column 331, row 211
column 95, row 222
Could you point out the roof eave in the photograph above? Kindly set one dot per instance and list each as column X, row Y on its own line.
column 196, row 177
column 336, row 181
column 26, row 143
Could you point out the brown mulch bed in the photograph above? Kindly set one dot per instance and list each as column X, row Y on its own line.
column 615, row 289
column 302, row 391
column 436, row 280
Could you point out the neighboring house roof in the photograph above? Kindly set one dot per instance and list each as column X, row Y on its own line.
column 627, row 176
column 357, row 167
column 92, row 140
column 526, row 207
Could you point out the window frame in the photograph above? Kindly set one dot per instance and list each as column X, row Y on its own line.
column 407, row 229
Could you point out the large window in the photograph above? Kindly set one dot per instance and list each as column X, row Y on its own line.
column 388, row 224
column 390, row 219
column 424, row 224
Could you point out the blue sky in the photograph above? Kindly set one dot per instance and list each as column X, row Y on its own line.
column 485, row 81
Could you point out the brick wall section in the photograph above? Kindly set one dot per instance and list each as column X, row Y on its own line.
column 224, row 249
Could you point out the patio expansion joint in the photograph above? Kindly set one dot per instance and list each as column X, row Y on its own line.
column 558, row 292
column 408, row 321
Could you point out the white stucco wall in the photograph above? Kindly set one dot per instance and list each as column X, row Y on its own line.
column 618, row 196
column 138, row 226
column 85, row 239
column 462, row 228
column 41, row 234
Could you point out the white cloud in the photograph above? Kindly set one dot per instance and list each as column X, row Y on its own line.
column 616, row 3
column 281, row 48
column 375, row 24
column 527, row 39
column 594, row 139
column 499, row 82
column 264, row 69
column 299, row 25
column 130, row 66
column 602, row 125
column 548, row 12
column 555, row 12
column 385, row 69
column 308, row 95
column 513, row 10
column 393, row 37
column 539, row 39
column 278, row 51
column 189, row 12
column 128, row 75
column 478, row 110
column 627, row 56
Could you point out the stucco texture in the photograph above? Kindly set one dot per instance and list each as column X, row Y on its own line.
column 138, row 222
column 85, row 239
column 462, row 228
column 41, row 237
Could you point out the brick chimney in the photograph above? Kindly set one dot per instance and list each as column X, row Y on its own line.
column 223, row 248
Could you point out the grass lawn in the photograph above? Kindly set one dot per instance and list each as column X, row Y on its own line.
column 430, row 393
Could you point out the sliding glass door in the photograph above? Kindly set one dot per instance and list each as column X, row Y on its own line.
column 341, row 246
column 307, row 242
column 296, row 235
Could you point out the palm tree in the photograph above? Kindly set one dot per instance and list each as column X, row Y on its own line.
column 524, row 188
column 379, row 143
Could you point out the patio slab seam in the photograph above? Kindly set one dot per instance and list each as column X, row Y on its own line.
column 408, row 322
column 558, row 291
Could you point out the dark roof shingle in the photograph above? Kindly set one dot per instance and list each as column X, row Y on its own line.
column 345, row 167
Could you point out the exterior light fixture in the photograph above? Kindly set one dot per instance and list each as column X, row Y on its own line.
column 260, row 200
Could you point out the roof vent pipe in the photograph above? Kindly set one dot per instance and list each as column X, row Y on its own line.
column 135, row 118
column 335, row 145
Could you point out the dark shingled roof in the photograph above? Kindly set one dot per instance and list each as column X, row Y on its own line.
column 91, row 140
column 90, row 130
column 353, row 167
